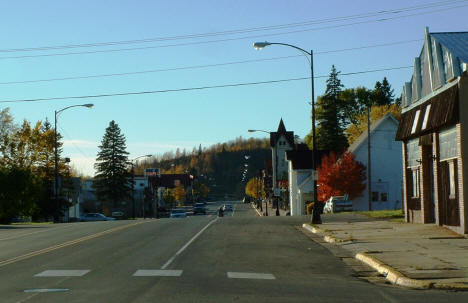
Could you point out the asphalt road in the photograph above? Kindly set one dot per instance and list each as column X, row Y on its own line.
column 237, row 258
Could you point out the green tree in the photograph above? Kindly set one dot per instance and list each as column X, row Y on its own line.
column 112, row 182
column 330, row 116
column 383, row 93
column 355, row 130
column 19, row 190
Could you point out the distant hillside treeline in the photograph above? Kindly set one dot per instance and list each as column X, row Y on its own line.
column 219, row 166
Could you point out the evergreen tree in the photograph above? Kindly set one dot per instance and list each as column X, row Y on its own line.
column 112, row 177
column 330, row 116
column 383, row 93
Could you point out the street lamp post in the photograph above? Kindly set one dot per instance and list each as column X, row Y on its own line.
column 133, row 183
column 57, row 112
column 261, row 45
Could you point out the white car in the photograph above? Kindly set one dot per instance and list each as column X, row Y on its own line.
column 95, row 217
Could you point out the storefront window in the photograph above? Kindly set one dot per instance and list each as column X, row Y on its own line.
column 413, row 152
column 448, row 144
column 415, row 173
column 451, row 166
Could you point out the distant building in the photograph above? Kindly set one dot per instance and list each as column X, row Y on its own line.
column 301, row 184
column 433, row 130
column 386, row 172
column 75, row 198
column 280, row 142
column 300, row 177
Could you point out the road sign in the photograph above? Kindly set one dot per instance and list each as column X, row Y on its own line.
column 277, row 192
column 152, row 172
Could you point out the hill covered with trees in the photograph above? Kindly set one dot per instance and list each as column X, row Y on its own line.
column 219, row 166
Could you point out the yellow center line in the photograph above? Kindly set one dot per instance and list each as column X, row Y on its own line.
column 68, row 243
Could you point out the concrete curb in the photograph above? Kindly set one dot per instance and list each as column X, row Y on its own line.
column 326, row 237
column 391, row 274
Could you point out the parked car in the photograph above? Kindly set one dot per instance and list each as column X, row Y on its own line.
column 199, row 208
column 95, row 217
column 178, row 213
column 227, row 207
column 163, row 212
column 118, row 215
column 337, row 204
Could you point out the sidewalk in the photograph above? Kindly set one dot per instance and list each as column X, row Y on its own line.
column 410, row 255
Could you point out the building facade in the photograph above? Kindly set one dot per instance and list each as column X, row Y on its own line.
column 301, row 184
column 281, row 141
column 433, row 130
column 386, row 159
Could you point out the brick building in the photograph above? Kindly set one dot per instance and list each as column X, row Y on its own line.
column 433, row 130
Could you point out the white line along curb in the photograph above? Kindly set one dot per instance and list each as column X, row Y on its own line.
column 256, row 210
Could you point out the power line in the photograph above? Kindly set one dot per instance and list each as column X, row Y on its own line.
column 223, row 40
column 203, row 66
column 241, row 31
column 194, row 88
column 73, row 143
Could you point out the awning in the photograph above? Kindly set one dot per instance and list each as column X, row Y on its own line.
column 441, row 109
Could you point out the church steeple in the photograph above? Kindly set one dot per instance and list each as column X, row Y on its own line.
column 281, row 127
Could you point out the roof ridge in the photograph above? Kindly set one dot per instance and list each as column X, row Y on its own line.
column 449, row 33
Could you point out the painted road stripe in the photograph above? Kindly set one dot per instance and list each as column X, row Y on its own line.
column 250, row 275
column 157, row 273
column 63, row 273
column 187, row 244
column 65, row 244
column 38, row 290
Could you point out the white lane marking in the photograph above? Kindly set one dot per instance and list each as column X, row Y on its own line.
column 63, row 273
column 187, row 244
column 46, row 290
column 233, row 210
column 250, row 275
column 157, row 272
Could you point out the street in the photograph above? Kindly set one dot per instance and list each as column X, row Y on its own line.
column 237, row 258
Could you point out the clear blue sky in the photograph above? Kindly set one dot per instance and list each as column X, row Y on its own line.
column 155, row 123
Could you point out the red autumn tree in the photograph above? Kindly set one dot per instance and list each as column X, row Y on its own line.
column 340, row 175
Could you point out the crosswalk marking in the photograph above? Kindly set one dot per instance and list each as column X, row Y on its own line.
column 63, row 273
column 250, row 275
column 158, row 273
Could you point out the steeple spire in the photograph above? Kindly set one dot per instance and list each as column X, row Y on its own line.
column 281, row 128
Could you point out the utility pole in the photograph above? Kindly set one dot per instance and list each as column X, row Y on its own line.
column 369, row 190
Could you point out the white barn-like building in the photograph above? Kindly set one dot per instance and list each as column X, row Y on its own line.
column 386, row 171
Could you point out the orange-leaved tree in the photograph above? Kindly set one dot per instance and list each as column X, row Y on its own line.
column 340, row 175
column 255, row 188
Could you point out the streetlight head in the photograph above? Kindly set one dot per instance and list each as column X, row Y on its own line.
column 260, row 45
column 148, row 155
column 88, row 105
column 251, row 130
